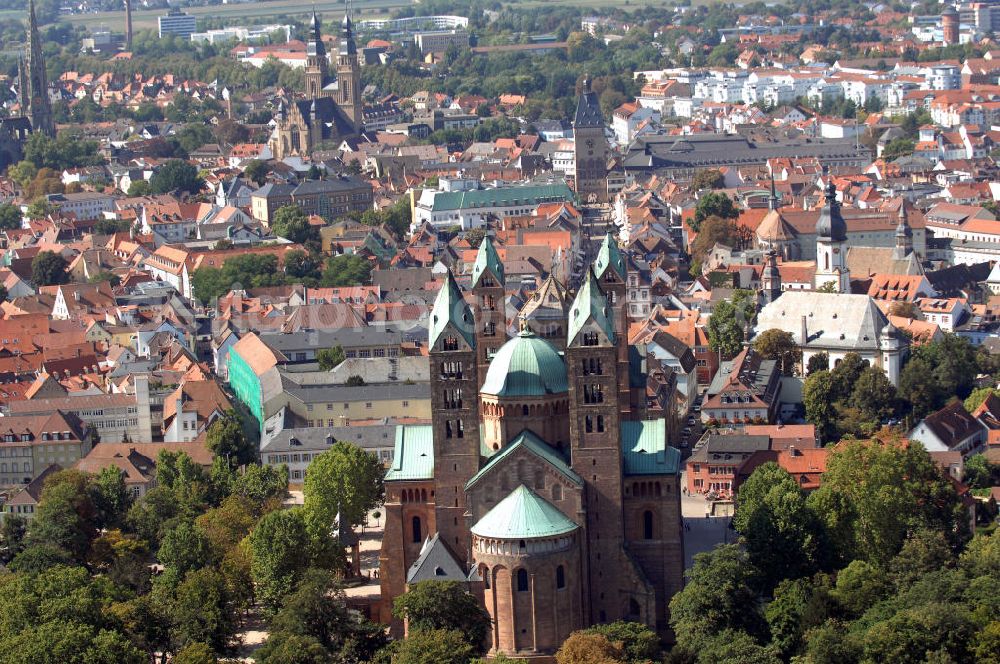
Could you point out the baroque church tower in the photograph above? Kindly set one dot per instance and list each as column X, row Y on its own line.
column 831, row 245
column 34, row 87
column 538, row 484
column 590, row 148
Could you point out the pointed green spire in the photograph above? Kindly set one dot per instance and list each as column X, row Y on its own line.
column 487, row 260
column 450, row 308
column 609, row 256
column 590, row 304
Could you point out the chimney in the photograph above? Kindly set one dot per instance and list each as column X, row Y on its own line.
column 792, row 451
column 805, row 332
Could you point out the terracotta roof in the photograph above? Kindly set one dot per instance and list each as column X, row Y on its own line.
column 259, row 356
column 206, row 396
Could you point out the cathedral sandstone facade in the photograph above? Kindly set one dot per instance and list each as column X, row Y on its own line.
column 332, row 108
column 539, row 483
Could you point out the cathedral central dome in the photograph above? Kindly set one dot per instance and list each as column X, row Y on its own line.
column 526, row 366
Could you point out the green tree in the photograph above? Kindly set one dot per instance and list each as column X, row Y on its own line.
column 443, row 605
column 23, row 172
column 343, row 481
column 49, row 269
column 911, row 635
column 779, row 345
column 737, row 647
column 176, row 175
column 195, row 653
column 918, row 388
column 256, row 171
column 435, row 646
column 301, row 265
column 262, row 484
column 149, row 516
column 980, row 473
column 139, row 188
column 846, row 374
column 860, row 586
column 728, row 322
column 287, row 648
column 109, row 226
column 12, row 532
column 779, row 531
column 227, row 438
column 346, row 270
column 713, row 204
column 638, row 642
column 898, row 147
column 719, row 595
column 110, row 496
column 329, row 358
column 201, row 611
column 818, row 362
column 291, row 223
column 184, row 549
column 875, row 492
column 874, row 396
column 10, row 217
column 41, row 207
column 317, row 609
column 978, row 396
column 798, row 605
column 279, row 546
column 66, row 515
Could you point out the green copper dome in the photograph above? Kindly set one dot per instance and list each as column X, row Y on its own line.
column 526, row 366
column 523, row 515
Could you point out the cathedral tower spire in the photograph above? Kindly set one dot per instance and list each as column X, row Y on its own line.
column 39, row 109
column 317, row 63
column 348, row 74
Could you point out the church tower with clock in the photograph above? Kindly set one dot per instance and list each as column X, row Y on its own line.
column 590, row 149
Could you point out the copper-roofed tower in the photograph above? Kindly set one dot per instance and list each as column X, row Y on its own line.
column 39, row 108
column 612, row 274
column 455, row 412
column 590, row 148
column 489, row 291
column 831, row 245
column 348, row 74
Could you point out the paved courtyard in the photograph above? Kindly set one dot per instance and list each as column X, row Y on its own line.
column 701, row 530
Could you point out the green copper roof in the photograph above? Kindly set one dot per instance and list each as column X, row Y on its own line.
column 529, row 441
column 523, row 515
column 528, row 195
column 590, row 303
column 487, row 259
column 645, row 449
column 526, row 366
column 609, row 256
column 450, row 307
column 413, row 455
